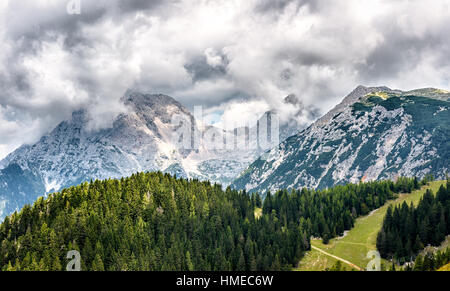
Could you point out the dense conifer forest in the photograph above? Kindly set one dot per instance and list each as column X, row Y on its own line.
column 152, row 221
column 408, row 229
column 328, row 213
column 149, row 222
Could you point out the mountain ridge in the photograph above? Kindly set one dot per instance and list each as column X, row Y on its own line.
column 368, row 136
column 142, row 138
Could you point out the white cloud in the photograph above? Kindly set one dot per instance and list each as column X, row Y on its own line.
column 2, row 207
column 238, row 113
column 213, row 58
column 244, row 56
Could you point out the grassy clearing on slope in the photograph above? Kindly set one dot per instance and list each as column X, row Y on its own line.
column 316, row 261
column 357, row 242
column 382, row 95
column 445, row 268
column 440, row 91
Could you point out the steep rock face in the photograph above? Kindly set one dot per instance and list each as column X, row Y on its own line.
column 375, row 133
column 72, row 153
column 142, row 139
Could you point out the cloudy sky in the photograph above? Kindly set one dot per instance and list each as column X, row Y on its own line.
column 230, row 56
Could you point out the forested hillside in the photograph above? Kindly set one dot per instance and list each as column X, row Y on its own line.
column 152, row 221
column 407, row 229
column 328, row 213
column 149, row 222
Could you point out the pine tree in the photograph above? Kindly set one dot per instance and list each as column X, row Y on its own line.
column 276, row 266
column 241, row 263
column 10, row 268
column 57, row 265
column 97, row 264
column 190, row 265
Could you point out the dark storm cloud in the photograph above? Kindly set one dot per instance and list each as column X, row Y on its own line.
column 391, row 58
column 34, row 23
column 30, row 26
column 140, row 5
column 276, row 6
column 17, row 81
column 402, row 51
column 42, row 23
column 307, row 57
column 200, row 70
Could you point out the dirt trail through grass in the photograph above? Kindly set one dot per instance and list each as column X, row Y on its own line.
column 337, row 258
column 361, row 239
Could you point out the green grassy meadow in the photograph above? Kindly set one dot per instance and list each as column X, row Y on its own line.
column 357, row 242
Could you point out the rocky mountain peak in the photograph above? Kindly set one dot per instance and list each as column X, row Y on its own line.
column 374, row 133
column 149, row 106
column 139, row 100
column 140, row 139
column 79, row 118
column 349, row 100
